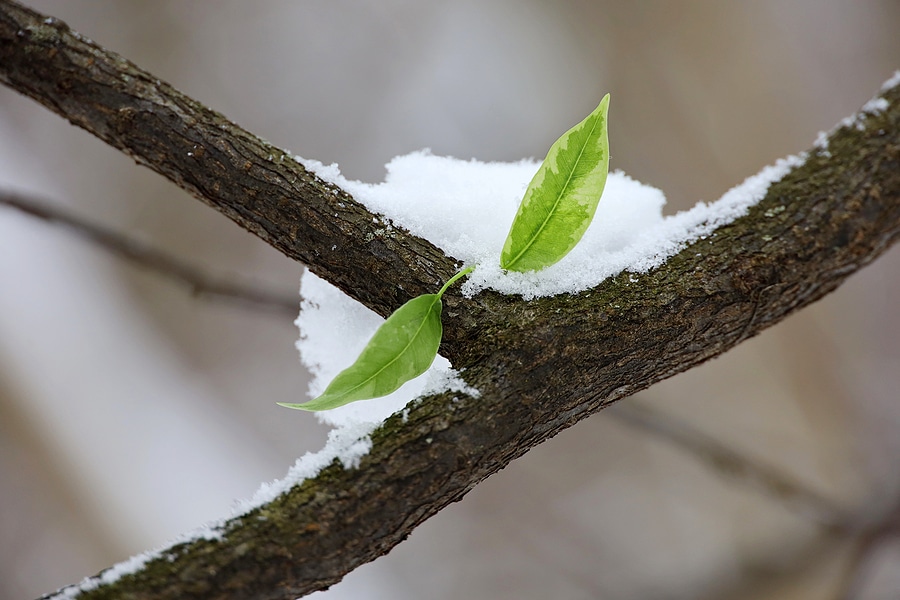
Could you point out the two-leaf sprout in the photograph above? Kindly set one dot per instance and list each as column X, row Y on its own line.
column 556, row 210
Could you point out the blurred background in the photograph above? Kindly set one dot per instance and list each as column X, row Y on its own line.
column 131, row 411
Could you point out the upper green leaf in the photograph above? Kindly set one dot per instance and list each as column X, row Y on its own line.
column 562, row 198
column 402, row 348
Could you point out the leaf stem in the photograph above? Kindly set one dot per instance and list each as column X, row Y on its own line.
column 453, row 280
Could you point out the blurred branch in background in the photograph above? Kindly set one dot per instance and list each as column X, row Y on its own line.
column 868, row 534
column 199, row 283
column 734, row 466
column 870, row 542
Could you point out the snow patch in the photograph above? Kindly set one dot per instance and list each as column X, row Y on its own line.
column 347, row 444
column 466, row 209
column 134, row 564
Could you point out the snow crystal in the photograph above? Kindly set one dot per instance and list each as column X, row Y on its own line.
column 858, row 120
column 875, row 106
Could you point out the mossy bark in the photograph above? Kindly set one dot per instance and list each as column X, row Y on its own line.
column 541, row 365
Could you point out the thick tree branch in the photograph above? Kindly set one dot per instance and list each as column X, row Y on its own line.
column 260, row 187
column 541, row 366
column 198, row 282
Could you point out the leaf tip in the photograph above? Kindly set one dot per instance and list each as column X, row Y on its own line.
column 604, row 104
column 294, row 406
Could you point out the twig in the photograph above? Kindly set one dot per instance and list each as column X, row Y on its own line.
column 866, row 535
column 736, row 466
column 866, row 547
column 198, row 282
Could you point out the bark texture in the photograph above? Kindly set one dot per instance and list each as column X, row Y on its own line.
column 541, row 366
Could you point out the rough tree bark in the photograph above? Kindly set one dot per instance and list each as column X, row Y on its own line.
column 541, row 366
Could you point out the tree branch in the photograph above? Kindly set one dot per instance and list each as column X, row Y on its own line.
column 260, row 187
column 198, row 282
column 541, row 366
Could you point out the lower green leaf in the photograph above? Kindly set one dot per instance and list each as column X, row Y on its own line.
column 402, row 348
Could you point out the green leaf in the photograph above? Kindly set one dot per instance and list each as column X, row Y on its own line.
column 562, row 198
column 401, row 349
